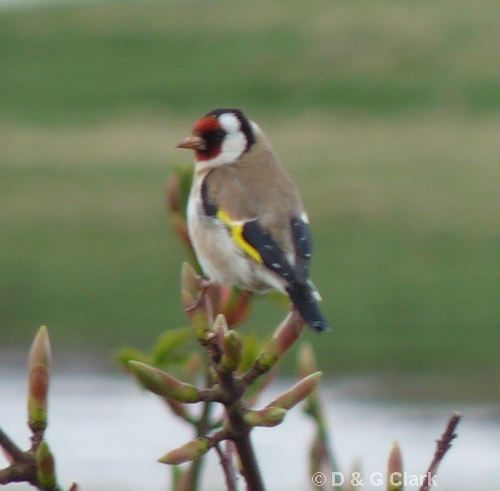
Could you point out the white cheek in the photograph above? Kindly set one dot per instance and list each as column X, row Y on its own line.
column 229, row 122
column 233, row 146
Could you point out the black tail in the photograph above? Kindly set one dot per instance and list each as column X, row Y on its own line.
column 304, row 298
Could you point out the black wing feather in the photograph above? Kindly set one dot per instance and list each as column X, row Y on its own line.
column 298, row 287
column 302, row 242
column 270, row 252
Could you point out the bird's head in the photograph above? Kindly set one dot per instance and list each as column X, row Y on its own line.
column 221, row 137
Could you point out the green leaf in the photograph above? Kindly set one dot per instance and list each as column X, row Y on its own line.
column 128, row 353
column 164, row 349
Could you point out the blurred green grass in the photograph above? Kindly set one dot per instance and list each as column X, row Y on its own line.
column 386, row 114
column 65, row 63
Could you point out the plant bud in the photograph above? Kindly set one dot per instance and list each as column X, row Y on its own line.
column 307, row 362
column 163, row 384
column 269, row 416
column 187, row 452
column 45, row 465
column 317, row 455
column 395, row 469
column 283, row 338
column 298, row 392
column 38, row 380
column 232, row 351
column 220, row 328
column 190, row 281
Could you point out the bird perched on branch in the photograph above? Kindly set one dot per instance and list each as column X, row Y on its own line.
column 245, row 217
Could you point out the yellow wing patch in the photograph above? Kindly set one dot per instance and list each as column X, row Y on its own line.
column 236, row 231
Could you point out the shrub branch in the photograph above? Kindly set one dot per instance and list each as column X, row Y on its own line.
column 443, row 445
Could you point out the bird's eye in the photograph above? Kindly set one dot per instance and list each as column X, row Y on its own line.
column 215, row 137
column 212, row 143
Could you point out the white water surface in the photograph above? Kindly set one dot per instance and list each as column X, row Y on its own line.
column 106, row 433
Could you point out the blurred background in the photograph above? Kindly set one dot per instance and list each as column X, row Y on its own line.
column 386, row 114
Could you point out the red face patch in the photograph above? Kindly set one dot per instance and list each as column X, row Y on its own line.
column 211, row 131
column 206, row 125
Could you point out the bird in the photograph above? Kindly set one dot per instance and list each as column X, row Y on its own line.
column 245, row 217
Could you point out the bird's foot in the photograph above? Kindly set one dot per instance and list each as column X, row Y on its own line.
column 206, row 284
column 207, row 289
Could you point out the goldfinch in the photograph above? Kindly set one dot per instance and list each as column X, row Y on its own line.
column 245, row 217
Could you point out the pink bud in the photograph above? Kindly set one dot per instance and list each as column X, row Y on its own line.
column 307, row 362
column 187, row 452
column 38, row 380
column 298, row 392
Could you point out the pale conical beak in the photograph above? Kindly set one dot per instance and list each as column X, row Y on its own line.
column 193, row 143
